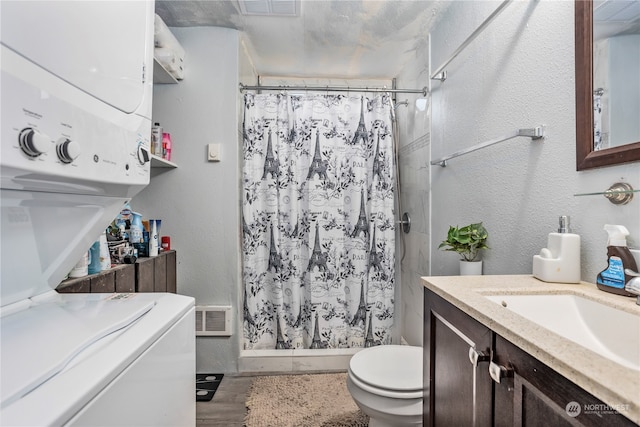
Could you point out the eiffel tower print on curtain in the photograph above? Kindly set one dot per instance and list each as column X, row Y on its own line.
column 360, row 314
column 318, row 258
column 361, row 131
column 316, row 342
column 246, row 313
column 378, row 165
column 271, row 164
column 293, row 134
column 369, row 341
column 376, row 258
column 280, row 342
column 318, row 165
column 275, row 260
column 362, row 226
column 245, row 228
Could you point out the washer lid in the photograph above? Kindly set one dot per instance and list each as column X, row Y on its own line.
column 38, row 342
column 391, row 367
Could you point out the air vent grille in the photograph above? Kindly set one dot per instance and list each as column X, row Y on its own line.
column 213, row 320
column 270, row 7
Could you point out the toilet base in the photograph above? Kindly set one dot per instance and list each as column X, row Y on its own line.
column 379, row 423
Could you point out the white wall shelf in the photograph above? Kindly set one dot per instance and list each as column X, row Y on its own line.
column 161, row 75
column 159, row 162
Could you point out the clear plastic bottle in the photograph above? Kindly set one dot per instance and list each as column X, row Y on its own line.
column 156, row 140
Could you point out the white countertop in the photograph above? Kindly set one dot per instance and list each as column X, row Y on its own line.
column 610, row 382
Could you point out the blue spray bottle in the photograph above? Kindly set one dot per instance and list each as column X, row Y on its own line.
column 613, row 278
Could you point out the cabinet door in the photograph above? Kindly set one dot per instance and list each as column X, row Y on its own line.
column 458, row 388
column 535, row 395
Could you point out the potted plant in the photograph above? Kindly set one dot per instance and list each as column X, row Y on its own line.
column 467, row 241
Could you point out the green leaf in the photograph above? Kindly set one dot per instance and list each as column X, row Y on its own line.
column 466, row 241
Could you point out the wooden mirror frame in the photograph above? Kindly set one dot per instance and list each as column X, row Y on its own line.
column 586, row 157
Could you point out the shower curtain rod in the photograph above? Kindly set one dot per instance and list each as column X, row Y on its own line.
column 424, row 91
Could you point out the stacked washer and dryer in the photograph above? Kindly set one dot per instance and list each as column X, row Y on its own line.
column 75, row 88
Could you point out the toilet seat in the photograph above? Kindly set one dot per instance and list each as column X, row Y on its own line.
column 389, row 370
column 384, row 392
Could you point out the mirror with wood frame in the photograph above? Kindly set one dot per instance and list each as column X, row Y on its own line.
column 586, row 156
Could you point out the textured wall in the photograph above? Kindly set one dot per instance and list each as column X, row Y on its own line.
column 519, row 73
column 199, row 201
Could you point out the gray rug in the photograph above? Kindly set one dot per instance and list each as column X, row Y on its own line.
column 310, row 400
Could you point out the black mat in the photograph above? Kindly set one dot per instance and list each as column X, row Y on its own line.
column 206, row 386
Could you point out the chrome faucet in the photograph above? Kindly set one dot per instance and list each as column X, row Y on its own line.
column 633, row 285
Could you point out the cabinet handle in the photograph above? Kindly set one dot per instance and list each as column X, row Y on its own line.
column 498, row 372
column 476, row 356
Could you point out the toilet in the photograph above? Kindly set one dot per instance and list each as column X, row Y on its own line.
column 386, row 383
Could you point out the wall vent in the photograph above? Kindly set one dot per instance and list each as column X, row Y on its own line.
column 213, row 321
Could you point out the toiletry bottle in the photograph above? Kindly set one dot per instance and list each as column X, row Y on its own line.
column 105, row 257
column 559, row 262
column 613, row 278
column 81, row 268
column 94, row 266
column 135, row 230
column 166, row 146
column 156, row 140
column 153, row 238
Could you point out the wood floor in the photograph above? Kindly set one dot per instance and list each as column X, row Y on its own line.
column 227, row 408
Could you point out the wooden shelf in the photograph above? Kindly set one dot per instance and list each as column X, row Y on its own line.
column 148, row 274
column 159, row 162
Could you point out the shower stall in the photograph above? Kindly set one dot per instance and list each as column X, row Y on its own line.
column 319, row 219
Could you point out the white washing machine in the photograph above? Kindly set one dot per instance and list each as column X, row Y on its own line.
column 75, row 89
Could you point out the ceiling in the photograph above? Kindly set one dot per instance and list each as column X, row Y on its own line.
column 364, row 39
column 615, row 18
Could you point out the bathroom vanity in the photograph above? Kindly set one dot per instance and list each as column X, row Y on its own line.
column 486, row 364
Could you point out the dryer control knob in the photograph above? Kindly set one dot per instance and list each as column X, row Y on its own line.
column 33, row 143
column 67, row 150
column 143, row 154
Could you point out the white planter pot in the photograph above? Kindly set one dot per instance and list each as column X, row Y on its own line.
column 470, row 268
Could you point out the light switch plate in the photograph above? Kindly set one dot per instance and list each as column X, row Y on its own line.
column 213, row 152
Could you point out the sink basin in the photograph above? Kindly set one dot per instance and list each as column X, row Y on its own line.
column 610, row 332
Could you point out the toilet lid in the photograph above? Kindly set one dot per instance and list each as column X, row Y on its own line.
column 390, row 367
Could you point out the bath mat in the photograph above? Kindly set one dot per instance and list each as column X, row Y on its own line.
column 206, row 386
column 318, row 400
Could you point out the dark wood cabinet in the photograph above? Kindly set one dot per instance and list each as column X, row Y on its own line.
column 153, row 274
column 533, row 394
column 457, row 350
column 459, row 389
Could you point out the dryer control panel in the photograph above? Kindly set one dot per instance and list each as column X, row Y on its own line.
column 49, row 144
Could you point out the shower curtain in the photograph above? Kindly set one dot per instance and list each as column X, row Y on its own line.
column 318, row 221
column 597, row 120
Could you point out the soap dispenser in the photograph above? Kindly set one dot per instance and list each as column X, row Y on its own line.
column 559, row 262
column 614, row 277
